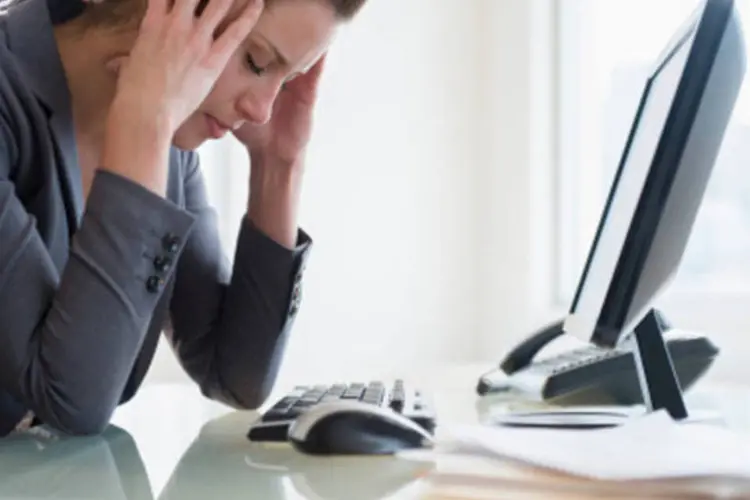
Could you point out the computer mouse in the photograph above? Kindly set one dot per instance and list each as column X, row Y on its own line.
column 355, row 428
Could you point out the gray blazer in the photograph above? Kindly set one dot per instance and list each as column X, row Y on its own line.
column 85, row 291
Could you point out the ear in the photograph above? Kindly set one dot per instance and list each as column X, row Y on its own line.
column 114, row 64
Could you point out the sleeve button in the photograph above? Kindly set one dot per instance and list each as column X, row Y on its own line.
column 153, row 283
column 296, row 299
column 171, row 243
column 162, row 264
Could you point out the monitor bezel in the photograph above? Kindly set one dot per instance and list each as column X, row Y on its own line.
column 706, row 28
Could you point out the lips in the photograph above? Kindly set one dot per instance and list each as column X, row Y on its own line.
column 216, row 128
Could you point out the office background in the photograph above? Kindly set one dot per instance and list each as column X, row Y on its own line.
column 460, row 160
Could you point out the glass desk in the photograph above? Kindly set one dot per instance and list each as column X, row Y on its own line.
column 171, row 443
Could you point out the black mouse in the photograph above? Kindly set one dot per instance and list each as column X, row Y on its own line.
column 355, row 428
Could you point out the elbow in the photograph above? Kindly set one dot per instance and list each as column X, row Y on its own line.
column 243, row 393
column 240, row 398
column 77, row 406
column 74, row 420
column 243, row 382
column 88, row 427
column 83, row 425
column 250, row 400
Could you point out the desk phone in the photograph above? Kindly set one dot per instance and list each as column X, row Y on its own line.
column 591, row 375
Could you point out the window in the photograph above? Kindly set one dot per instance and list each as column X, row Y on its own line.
column 605, row 52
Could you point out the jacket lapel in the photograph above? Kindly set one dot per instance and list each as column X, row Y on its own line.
column 30, row 36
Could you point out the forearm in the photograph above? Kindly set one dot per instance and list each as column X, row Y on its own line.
column 275, row 192
column 229, row 325
column 137, row 148
column 69, row 341
column 231, row 337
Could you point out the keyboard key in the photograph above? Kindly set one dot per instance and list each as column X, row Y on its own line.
column 397, row 402
column 303, row 405
column 337, row 390
column 374, row 395
column 353, row 393
column 312, row 397
column 280, row 410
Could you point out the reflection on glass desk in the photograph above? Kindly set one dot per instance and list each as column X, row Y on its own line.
column 107, row 466
column 172, row 443
column 219, row 463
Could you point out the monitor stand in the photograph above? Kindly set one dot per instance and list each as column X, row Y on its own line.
column 659, row 384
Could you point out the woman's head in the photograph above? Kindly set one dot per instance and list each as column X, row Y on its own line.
column 289, row 37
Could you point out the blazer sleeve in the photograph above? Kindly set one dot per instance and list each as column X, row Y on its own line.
column 230, row 325
column 68, row 339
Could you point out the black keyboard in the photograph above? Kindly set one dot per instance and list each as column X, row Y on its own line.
column 274, row 422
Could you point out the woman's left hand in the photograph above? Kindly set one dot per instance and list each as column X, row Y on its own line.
column 277, row 151
column 282, row 141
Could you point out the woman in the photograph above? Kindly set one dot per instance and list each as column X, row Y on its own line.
column 106, row 236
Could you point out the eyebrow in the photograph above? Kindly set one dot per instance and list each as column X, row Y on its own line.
column 283, row 60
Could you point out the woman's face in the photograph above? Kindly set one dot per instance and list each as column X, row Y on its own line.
column 289, row 37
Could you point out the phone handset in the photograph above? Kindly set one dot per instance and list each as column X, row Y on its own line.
column 525, row 352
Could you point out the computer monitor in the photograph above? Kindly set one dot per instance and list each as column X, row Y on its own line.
column 677, row 132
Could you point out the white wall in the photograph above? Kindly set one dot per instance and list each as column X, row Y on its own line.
column 517, row 178
column 418, row 192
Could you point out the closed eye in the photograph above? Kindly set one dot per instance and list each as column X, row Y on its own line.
column 253, row 66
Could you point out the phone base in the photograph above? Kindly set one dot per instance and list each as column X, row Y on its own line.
column 590, row 418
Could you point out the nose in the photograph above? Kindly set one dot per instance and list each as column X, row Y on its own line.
column 257, row 108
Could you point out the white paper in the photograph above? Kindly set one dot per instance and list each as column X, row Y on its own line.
column 649, row 447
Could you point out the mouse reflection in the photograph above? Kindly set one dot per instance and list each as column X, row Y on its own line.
column 41, row 464
column 222, row 462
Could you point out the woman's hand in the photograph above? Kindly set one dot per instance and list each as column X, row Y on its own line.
column 179, row 55
column 282, row 141
column 276, row 150
column 176, row 59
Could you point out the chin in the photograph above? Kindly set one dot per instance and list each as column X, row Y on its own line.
column 187, row 138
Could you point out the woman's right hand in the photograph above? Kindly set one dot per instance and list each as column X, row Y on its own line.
column 178, row 56
column 175, row 61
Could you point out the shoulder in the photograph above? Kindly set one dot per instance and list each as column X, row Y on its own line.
column 21, row 113
column 13, row 85
column 12, row 122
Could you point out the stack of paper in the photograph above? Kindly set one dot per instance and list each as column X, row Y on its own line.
column 649, row 450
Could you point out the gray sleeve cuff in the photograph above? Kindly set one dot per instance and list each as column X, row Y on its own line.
column 280, row 264
column 130, row 229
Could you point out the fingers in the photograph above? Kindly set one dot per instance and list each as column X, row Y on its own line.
column 187, row 10
column 317, row 69
column 309, row 80
column 216, row 12
column 155, row 11
column 237, row 30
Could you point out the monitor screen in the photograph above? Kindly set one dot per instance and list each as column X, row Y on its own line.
column 648, row 183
